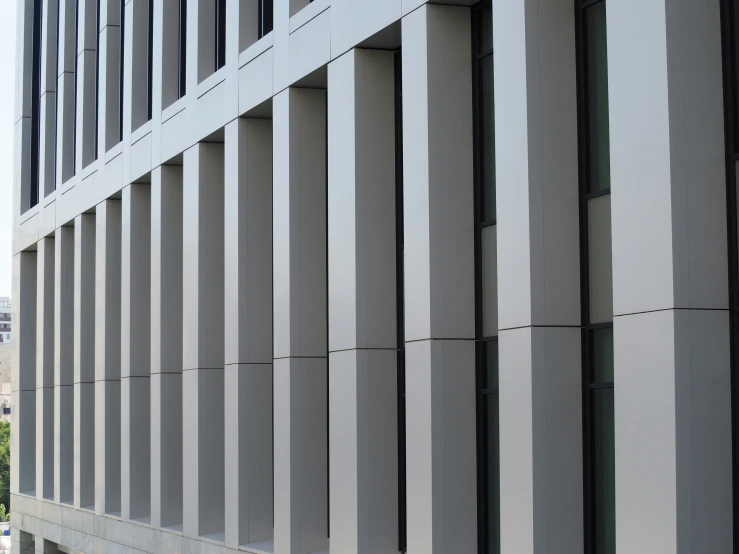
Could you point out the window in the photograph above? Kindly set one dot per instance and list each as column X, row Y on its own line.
column 486, row 322
column 6, row 410
column 730, row 33
column 150, row 60
column 97, row 76
column 182, row 50
column 266, row 12
column 220, row 33
column 400, row 300
column 596, row 286
column 56, row 96
column 122, row 57
column 76, row 74
column 33, row 198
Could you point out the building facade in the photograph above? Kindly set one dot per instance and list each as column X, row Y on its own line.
column 347, row 276
column 6, row 320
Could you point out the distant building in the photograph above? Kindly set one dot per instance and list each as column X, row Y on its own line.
column 5, row 320
column 5, row 371
column 5, row 357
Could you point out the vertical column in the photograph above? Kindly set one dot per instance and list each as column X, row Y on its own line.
column 136, row 353
column 45, row 369
column 439, row 281
column 23, row 439
column 670, row 292
column 48, row 100
column 248, row 338
column 109, row 119
column 84, row 361
column 541, row 494
column 87, row 36
column 64, row 365
column 108, row 359
column 203, row 341
column 166, row 347
column 66, row 91
column 300, row 316
column 363, row 425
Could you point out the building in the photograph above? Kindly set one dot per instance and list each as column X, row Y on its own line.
column 416, row 320
column 6, row 394
column 5, row 320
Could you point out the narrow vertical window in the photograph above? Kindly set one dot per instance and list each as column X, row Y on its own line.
column 36, row 104
column 486, row 322
column 265, row 17
column 150, row 61
column 97, row 74
column 58, row 88
column 220, row 33
column 730, row 44
column 596, row 278
column 400, row 299
column 182, row 50
column 122, row 55
column 76, row 73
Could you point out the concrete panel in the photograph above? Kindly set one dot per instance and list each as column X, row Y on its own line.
column 437, row 173
column 441, row 446
column 300, row 455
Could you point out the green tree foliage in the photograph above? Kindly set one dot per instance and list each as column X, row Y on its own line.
column 5, row 464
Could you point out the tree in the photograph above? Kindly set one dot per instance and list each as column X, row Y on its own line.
column 5, row 464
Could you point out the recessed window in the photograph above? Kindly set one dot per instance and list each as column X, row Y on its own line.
column 33, row 194
column 488, row 470
column 597, row 288
column 220, row 33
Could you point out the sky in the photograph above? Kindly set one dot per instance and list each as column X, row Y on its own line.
column 7, row 109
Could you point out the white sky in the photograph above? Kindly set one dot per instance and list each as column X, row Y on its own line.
column 7, row 109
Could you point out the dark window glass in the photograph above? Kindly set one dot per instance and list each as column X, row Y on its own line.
column 604, row 475
column 56, row 96
column 266, row 12
column 76, row 49
column 602, row 365
column 733, row 14
column 121, row 72
column 220, row 34
column 599, row 171
column 488, row 139
column 488, row 463
column 490, row 364
column 97, row 75
column 36, row 102
column 150, row 60
column 400, row 296
column 182, row 49
column 493, row 471
column 484, row 112
column 598, row 364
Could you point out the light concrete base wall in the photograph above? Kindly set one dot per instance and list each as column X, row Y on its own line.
column 82, row 531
